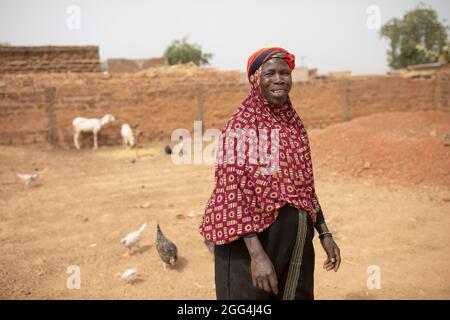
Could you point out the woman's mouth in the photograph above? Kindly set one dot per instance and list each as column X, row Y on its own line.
column 278, row 92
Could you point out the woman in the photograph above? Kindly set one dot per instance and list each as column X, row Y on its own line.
column 262, row 220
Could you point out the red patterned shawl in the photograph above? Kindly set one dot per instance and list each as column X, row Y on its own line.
column 244, row 200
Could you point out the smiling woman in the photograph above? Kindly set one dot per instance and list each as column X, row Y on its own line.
column 262, row 224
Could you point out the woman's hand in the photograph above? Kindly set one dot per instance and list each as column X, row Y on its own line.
column 262, row 269
column 263, row 273
column 333, row 254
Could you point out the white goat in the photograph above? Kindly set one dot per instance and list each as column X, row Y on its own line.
column 127, row 136
column 89, row 125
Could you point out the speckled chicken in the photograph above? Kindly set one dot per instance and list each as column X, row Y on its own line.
column 167, row 250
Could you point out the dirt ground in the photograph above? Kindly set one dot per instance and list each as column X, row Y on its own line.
column 86, row 201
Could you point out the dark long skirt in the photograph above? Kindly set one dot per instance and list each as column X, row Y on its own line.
column 288, row 243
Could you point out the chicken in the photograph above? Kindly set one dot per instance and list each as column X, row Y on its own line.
column 167, row 250
column 128, row 275
column 132, row 239
column 209, row 246
column 27, row 178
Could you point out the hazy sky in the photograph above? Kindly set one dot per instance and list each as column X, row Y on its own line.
column 329, row 35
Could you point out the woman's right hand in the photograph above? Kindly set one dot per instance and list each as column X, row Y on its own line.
column 263, row 273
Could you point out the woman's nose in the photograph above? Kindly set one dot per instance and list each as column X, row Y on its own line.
column 278, row 78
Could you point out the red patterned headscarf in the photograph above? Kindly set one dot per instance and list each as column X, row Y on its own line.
column 245, row 200
column 257, row 59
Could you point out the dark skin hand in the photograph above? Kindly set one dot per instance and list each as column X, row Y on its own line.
column 263, row 271
column 333, row 252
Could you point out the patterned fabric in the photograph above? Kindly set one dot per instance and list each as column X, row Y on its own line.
column 257, row 59
column 244, row 199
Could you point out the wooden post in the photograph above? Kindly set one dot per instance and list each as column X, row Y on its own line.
column 344, row 98
column 50, row 95
column 200, row 105
column 198, row 127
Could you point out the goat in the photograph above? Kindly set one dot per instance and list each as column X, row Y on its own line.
column 89, row 125
column 127, row 136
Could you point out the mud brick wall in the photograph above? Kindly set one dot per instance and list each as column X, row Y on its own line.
column 49, row 59
column 36, row 107
column 443, row 89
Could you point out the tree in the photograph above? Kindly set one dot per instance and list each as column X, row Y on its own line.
column 417, row 38
column 183, row 52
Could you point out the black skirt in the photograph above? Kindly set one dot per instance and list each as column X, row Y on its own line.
column 288, row 243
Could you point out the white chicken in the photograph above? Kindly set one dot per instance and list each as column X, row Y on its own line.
column 132, row 239
column 27, row 178
column 128, row 275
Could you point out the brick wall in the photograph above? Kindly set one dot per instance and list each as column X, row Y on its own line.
column 49, row 59
column 157, row 102
column 443, row 89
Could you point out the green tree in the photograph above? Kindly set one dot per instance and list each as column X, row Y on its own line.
column 180, row 51
column 417, row 38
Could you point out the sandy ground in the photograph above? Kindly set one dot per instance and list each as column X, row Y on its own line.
column 85, row 198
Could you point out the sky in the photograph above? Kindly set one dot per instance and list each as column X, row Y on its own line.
column 339, row 35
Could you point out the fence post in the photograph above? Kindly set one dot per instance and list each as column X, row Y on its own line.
column 200, row 105
column 50, row 95
column 343, row 85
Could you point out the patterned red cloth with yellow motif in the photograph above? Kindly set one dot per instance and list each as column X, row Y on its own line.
column 245, row 200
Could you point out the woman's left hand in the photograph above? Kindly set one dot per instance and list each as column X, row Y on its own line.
column 333, row 254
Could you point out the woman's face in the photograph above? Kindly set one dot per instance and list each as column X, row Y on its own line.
column 275, row 81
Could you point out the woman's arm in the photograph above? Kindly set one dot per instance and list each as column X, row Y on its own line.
column 320, row 225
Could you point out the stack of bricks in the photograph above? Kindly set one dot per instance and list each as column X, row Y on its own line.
column 49, row 59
